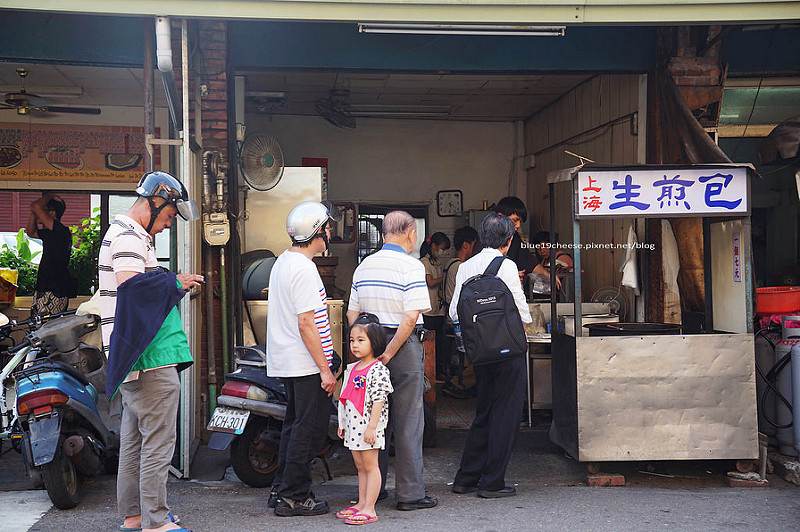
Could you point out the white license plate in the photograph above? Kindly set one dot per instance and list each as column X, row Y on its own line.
column 230, row 420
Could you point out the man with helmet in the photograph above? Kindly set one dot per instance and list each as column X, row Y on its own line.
column 300, row 353
column 138, row 302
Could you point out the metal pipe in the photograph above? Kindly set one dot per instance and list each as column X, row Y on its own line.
column 207, row 182
column 553, row 293
column 221, row 206
column 209, row 275
column 210, row 339
column 188, row 257
column 576, row 261
column 235, row 134
column 223, row 283
column 149, row 89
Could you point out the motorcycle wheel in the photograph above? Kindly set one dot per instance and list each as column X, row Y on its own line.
column 254, row 456
column 62, row 482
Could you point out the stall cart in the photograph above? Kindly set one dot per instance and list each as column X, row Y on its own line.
column 662, row 396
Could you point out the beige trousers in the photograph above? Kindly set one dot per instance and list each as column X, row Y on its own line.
column 147, row 443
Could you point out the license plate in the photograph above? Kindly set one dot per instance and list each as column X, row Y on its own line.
column 230, row 420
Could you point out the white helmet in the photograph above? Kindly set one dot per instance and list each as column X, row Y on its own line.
column 306, row 218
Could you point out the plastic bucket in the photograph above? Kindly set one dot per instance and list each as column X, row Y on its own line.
column 777, row 299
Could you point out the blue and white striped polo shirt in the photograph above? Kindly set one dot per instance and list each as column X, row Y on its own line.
column 388, row 284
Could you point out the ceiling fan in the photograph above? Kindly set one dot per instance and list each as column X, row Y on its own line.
column 336, row 108
column 24, row 102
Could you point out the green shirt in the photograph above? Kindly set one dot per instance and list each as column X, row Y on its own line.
column 169, row 346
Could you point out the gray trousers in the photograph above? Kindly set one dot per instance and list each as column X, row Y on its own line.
column 147, row 443
column 406, row 421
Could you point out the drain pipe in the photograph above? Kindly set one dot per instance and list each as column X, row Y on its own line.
column 164, row 62
column 209, row 275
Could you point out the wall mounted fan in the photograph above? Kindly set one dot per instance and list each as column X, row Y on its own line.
column 336, row 108
column 261, row 161
column 25, row 103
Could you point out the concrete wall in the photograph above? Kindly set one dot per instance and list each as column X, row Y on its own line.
column 397, row 162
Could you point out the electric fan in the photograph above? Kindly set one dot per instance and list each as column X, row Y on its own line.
column 261, row 161
column 614, row 297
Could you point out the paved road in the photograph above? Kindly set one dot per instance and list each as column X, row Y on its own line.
column 553, row 495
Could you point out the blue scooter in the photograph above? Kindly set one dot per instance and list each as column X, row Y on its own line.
column 66, row 437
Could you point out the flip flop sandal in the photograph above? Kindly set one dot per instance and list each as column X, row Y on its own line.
column 347, row 512
column 361, row 519
column 174, row 518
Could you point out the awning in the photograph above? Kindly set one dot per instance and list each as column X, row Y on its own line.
column 564, row 12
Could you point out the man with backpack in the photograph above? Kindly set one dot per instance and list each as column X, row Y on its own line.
column 490, row 307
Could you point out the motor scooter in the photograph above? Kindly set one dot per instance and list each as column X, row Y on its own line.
column 249, row 418
column 65, row 421
column 12, row 359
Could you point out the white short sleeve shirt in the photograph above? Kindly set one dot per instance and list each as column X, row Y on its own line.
column 295, row 287
column 507, row 273
column 388, row 284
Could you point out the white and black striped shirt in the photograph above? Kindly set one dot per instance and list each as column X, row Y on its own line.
column 126, row 247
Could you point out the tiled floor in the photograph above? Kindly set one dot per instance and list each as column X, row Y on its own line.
column 453, row 413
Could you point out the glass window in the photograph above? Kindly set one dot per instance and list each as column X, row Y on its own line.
column 370, row 226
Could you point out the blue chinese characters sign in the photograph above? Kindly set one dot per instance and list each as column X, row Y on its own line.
column 663, row 192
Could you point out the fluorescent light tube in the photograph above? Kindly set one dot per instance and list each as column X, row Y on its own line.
column 461, row 29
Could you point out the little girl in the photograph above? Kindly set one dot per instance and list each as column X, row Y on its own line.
column 364, row 413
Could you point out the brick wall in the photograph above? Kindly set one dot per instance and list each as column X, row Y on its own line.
column 209, row 40
column 698, row 71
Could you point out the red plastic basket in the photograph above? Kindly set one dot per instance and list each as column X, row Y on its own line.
column 777, row 299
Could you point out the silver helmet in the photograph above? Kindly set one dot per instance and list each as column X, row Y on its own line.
column 306, row 218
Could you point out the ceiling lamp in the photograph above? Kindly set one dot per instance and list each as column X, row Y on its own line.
column 461, row 29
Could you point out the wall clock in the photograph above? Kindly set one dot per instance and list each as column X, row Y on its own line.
column 449, row 203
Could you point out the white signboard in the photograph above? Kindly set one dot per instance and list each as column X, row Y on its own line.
column 662, row 192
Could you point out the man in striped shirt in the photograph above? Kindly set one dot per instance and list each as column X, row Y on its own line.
column 300, row 351
column 151, row 388
column 391, row 284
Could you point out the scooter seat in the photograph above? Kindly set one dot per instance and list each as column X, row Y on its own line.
column 258, row 377
column 52, row 365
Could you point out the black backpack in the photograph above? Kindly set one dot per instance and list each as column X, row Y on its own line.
column 490, row 323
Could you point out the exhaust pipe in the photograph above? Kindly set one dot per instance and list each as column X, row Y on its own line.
column 84, row 452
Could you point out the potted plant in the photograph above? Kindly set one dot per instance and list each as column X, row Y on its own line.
column 20, row 259
column 86, row 248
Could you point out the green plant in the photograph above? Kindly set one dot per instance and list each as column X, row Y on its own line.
column 86, row 248
column 20, row 259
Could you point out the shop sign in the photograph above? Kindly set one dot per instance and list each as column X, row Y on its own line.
column 660, row 192
column 737, row 261
column 50, row 152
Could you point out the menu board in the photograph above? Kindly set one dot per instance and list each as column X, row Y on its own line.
column 45, row 152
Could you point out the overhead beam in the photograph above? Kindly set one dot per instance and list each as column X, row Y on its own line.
column 445, row 11
column 753, row 130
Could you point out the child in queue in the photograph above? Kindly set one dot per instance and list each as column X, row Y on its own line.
column 364, row 414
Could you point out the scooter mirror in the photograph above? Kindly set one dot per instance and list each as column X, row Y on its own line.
column 3, row 319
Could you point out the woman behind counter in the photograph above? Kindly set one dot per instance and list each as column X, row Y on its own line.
column 434, row 318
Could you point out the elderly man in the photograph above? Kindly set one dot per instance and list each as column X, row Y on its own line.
column 391, row 285
column 147, row 349
column 501, row 385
